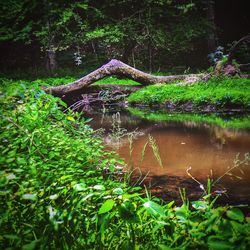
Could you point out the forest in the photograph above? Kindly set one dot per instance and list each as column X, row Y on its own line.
column 125, row 124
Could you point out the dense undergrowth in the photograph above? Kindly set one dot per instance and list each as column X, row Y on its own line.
column 59, row 189
column 221, row 92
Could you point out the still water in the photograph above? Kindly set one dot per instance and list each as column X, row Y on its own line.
column 182, row 155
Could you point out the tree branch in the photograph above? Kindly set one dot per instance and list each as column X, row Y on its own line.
column 118, row 68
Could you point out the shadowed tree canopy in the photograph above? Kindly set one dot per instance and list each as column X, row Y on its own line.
column 154, row 35
column 147, row 32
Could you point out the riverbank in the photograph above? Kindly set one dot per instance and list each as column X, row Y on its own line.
column 218, row 94
column 60, row 188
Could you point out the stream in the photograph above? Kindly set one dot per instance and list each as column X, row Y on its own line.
column 169, row 155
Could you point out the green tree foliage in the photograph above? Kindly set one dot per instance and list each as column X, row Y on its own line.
column 134, row 31
column 48, row 22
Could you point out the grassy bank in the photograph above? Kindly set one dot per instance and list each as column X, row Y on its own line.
column 59, row 189
column 218, row 92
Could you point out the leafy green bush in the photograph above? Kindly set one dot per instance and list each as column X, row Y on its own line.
column 50, row 162
column 59, row 189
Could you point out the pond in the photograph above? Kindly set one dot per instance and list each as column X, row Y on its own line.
column 181, row 152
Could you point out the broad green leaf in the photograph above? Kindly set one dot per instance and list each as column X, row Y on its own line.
column 70, row 118
column 11, row 236
column 127, row 245
column 127, row 212
column 5, row 192
column 238, row 227
column 118, row 191
column 104, row 220
column 53, row 197
column 88, row 120
column 154, row 208
column 106, row 206
column 31, row 197
column 170, row 204
column 3, row 181
column 21, row 161
column 80, row 186
column 30, row 246
column 248, row 220
column 200, row 205
column 163, row 247
column 64, row 177
column 182, row 213
column 235, row 214
column 62, row 103
column 87, row 197
column 99, row 187
column 215, row 243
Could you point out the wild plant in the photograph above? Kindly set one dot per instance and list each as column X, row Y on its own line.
column 155, row 148
column 237, row 164
column 117, row 132
column 143, row 152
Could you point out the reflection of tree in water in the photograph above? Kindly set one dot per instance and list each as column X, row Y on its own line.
column 221, row 137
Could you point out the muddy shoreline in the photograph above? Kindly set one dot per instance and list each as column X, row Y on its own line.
column 171, row 191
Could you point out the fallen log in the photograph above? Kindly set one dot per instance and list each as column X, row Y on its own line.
column 118, row 68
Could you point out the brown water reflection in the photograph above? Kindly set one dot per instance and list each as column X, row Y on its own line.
column 204, row 149
column 209, row 150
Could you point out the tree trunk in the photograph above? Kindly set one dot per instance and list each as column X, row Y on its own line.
column 150, row 57
column 51, row 63
column 94, row 50
column 128, row 50
column 211, row 39
column 118, row 68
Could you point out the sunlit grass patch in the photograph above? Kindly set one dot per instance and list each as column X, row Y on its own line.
column 219, row 92
column 117, row 81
